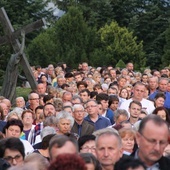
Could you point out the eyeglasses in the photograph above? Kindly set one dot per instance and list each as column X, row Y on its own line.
column 86, row 148
column 90, row 106
column 155, row 142
column 10, row 158
column 35, row 99
column 78, row 111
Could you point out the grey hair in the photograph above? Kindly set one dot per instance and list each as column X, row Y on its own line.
column 65, row 115
column 76, row 106
column 119, row 112
column 47, row 131
column 51, row 120
column 108, row 131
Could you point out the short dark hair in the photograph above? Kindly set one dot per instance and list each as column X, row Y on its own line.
column 13, row 122
column 113, row 98
column 102, row 96
column 81, row 83
column 60, row 140
column 128, row 162
column 47, row 98
column 12, row 144
column 83, row 139
column 135, row 102
column 85, row 90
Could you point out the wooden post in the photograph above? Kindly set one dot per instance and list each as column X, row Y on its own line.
column 12, row 38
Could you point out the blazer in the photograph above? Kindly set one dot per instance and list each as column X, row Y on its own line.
column 87, row 128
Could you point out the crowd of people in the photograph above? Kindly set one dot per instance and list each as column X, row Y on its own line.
column 88, row 118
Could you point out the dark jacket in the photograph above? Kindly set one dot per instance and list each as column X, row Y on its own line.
column 86, row 129
column 164, row 162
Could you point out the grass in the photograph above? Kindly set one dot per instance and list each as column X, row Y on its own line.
column 20, row 91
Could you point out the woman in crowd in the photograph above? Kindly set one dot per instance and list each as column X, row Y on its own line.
column 128, row 140
column 64, row 122
column 159, row 99
column 163, row 113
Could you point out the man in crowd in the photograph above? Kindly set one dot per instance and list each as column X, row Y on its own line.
column 81, row 126
column 108, row 148
column 152, row 139
column 93, row 117
column 138, row 93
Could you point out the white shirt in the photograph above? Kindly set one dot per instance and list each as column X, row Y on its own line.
column 146, row 104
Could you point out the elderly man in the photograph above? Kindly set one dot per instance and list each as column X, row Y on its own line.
column 138, row 93
column 152, row 139
column 93, row 117
column 81, row 127
column 108, row 148
column 162, row 87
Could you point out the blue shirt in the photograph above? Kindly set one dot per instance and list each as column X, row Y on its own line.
column 101, row 123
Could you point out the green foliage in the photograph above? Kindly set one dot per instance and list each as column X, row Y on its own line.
column 166, row 56
column 70, row 40
column 120, row 64
column 118, row 43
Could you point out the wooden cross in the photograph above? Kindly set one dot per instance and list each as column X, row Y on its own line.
column 12, row 38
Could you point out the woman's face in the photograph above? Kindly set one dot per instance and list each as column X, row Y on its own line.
column 162, row 114
column 159, row 102
column 44, row 79
column 64, row 126
column 128, row 142
column 124, row 93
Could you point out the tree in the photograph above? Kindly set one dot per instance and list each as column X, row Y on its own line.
column 166, row 56
column 70, row 40
column 118, row 43
column 20, row 13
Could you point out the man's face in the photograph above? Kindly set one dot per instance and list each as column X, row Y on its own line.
column 34, row 99
column 153, row 84
column 135, row 110
column 114, row 105
column 163, row 85
column 113, row 73
column 84, row 96
column 104, row 104
column 13, row 131
column 152, row 141
column 68, row 147
column 130, row 67
column 138, row 92
column 78, row 78
column 49, row 110
column 13, row 157
column 41, row 89
column 92, row 108
column 108, row 150
column 67, row 97
column 78, row 114
column 27, row 119
column 60, row 81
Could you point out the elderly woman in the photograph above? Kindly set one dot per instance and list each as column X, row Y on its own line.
column 64, row 122
column 128, row 140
